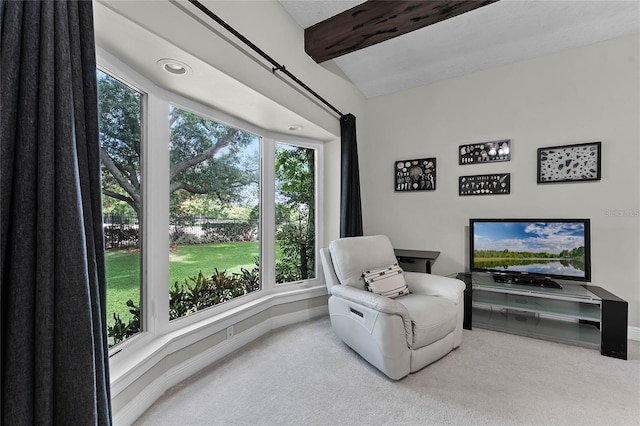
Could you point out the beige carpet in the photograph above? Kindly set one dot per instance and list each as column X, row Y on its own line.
column 304, row 375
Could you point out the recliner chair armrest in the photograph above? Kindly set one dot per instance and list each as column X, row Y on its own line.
column 378, row 303
column 370, row 300
column 435, row 285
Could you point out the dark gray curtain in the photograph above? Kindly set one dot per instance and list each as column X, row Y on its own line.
column 350, row 204
column 52, row 284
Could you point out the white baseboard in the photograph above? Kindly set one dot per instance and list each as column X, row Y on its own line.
column 138, row 405
column 634, row 333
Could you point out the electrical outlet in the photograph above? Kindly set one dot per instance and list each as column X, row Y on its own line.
column 229, row 331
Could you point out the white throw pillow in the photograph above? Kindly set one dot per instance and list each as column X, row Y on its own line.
column 387, row 281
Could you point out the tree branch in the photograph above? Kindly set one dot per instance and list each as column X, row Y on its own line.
column 117, row 196
column 111, row 166
column 133, row 177
column 187, row 187
column 221, row 143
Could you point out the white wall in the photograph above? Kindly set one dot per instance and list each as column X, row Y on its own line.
column 580, row 95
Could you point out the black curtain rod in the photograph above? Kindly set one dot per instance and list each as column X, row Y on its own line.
column 276, row 65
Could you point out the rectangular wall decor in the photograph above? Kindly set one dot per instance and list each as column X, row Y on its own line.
column 415, row 175
column 495, row 183
column 569, row 163
column 486, row 152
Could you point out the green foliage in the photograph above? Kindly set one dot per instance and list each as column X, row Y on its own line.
column 576, row 253
column 200, row 292
column 295, row 214
column 119, row 116
column 114, row 207
column 119, row 331
column 295, row 170
column 195, row 294
column 120, row 236
column 187, row 230
column 230, row 231
column 208, row 162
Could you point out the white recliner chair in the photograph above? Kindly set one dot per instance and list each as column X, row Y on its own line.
column 396, row 335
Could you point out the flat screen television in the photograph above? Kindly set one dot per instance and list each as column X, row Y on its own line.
column 531, row 251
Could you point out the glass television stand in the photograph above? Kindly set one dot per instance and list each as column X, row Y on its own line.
column 582, row 315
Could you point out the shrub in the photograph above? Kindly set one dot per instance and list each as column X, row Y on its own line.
column 225, row 232
column 120, row 331
column 200, row 292
column 120, row 235
column 191, row 230
column 197, row 293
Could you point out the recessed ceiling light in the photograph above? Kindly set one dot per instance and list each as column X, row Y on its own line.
column 174, row 67
column 295, row 128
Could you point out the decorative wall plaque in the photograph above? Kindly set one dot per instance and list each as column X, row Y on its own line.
column 569, row 163
column 415, row 175
column 486, row 152
column 495, row 183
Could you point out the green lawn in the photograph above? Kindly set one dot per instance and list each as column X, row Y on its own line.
column 187, row 261
column 123, row 282
column 123, row 269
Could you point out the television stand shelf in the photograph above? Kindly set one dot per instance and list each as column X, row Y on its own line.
column 576, row 314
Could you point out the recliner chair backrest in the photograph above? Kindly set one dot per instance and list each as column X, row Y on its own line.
column 330, row 277
column 351, row 256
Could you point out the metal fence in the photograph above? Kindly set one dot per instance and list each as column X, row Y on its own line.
column 124, row 230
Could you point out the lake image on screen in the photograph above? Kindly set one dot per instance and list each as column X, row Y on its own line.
column 550, row 248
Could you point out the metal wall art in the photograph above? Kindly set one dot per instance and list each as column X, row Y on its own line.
column 415, row 175
column 487, row 152
column 569, row 163
column 496, row 183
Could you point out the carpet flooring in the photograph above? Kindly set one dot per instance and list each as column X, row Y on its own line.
column 304, row 374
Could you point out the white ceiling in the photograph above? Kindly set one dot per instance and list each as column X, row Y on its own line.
column 501, row 33
column 139, row 33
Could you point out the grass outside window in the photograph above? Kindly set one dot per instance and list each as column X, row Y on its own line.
column 186, row 261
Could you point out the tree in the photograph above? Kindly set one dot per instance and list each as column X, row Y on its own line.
column 206, row 157
column 204, row 153
column 295, row 174
column 119, row 112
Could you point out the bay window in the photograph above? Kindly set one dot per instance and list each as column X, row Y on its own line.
column 204, row 213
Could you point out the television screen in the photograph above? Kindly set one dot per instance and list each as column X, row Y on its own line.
column 550, row 248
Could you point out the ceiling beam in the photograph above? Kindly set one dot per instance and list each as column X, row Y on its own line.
column 375, row 21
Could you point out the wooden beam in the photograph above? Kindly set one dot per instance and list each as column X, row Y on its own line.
column 375, row 21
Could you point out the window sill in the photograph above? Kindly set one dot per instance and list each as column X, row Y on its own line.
column 145, row 351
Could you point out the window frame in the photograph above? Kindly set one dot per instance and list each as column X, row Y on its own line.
column 126, row 76
column 212, row 114
column 154, row 299
column 318, row 165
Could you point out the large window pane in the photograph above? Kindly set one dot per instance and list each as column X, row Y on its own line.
column 295, row 213
column 120, row 109
column 214, row 213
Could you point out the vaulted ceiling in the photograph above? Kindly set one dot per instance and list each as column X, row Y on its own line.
column 496, row 34
column 375, row 21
